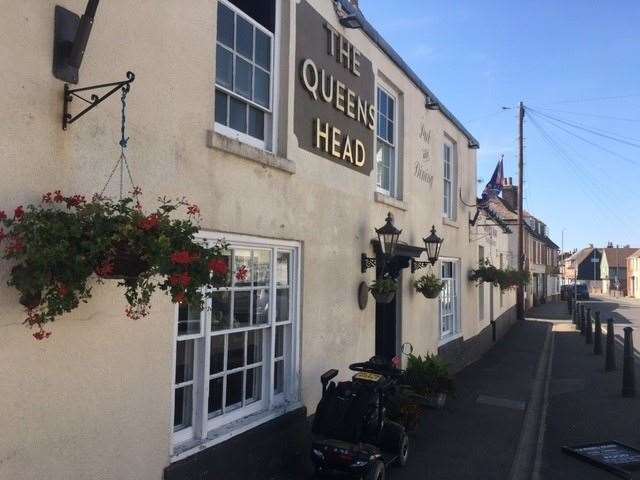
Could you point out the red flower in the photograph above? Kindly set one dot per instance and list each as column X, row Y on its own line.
column 180, row 279
column 149, row 223
column 242, row 273
column 105, row 269
column 3, row 216
column 183, row 257
column 136, row 191
column 46, row 198
column 179, row 297
column 58, row 197
column 19, row 213
column 63, row 290
column 218, row 266
column 193, row 210
column 41, row 335
column 75, row 201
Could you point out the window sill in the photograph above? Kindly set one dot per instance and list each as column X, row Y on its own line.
column 390, row 201
column 231, row 145
column 450, row 223
column 449, row 338
column 219, row 435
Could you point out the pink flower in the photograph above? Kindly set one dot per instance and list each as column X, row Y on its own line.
column 218, row 266
column 18, row 213
column 183, row 257
column 242, row 273
column 193, row 210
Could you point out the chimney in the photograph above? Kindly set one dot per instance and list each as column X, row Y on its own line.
column 510, row 194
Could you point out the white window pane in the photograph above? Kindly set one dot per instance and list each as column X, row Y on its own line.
column 234, row 390
column 260, row 307
column 253, row 387
column 220, row 310
column 382, row 103
column 238, row 115
column 263, row 50
column 188, row 320
column 244, row 38
column 390, row 132
column 261, row 87
column 278, row 377
column 216, row 358
column 261, row 267
column 382, row 128
column 235, row 350
column 256, row 123
column 224, row 67
column 390, row 107
column 284, row 259
column 279, row 344
column 254, row 346
column 282, row 305
column 242, row 263
column 215, row 396
column 241, row 309
column 243, row 78
column 222, row 101
column 184, row 361
column 183, row 407
column 225, row 25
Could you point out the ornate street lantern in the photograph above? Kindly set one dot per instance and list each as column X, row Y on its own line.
column 432, row 245
column 388, row 236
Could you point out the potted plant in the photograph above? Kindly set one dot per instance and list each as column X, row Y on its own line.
column 383, row 289
column 485, row 272
column 511, row 278
column 430, row 378
column 57, row 245
column 429, row 285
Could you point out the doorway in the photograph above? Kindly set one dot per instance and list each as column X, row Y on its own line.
column 388, row 326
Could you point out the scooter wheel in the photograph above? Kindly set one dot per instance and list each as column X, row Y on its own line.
column 375, row 472
column 396, row 440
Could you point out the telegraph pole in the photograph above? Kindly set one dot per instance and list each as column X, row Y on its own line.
column 520, row 292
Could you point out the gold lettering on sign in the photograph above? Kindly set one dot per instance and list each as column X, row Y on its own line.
column 421, row 166
column 335, row 142
column 360, row 153
column 329, row 139
column 346, row 150
column 322, row 135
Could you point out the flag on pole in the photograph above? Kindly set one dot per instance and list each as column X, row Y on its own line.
column 494, row 187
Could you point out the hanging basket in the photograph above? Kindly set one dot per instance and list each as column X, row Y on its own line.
column 122, row 263
column 431, row 292
column 384, row 298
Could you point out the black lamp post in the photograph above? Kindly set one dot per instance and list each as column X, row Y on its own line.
column 388, row 238
column 432, row 245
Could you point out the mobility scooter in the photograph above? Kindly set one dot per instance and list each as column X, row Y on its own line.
column 352, row 433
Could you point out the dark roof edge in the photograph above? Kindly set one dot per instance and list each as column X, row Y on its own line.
column 397, row 59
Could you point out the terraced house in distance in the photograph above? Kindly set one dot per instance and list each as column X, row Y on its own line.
column 298, row 131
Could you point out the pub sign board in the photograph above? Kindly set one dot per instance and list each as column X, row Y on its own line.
column 334, row 112
column 614, row 457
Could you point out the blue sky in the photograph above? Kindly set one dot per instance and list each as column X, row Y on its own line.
column 560, row 58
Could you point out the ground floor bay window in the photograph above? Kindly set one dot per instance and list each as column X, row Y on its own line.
column 236, row 360
column 449, row 299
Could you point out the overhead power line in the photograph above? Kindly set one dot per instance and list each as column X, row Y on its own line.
column 584, row 114
column 594, row 99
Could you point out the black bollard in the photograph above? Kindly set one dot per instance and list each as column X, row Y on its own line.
column 597, row 337
column 574, row 317
column 493, row 330
column 628, row 373
column 610, row 362
column 588, row 328
column 569, row 305
column 582, row 318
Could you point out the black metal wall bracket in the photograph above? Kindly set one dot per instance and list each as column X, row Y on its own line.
column 417, row 265
column 68, row 119
column 366, row 262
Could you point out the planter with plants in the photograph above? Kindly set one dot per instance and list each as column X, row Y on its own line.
column 429, row 285
column 56, row 246
column 429, row 378
column 383, row 289
column 501, row 278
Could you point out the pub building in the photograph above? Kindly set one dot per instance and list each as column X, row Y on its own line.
column 298, row 131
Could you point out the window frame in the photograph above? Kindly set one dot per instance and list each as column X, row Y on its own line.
column 447, row 211
column 270, row 112
column 393, row 171
column 201, row 425
column 455, row 326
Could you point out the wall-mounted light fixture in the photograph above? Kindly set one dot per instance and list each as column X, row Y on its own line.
column 432, row 245
column 388, row 238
